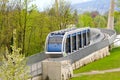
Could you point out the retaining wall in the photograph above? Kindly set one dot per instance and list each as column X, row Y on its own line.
column 63, row 70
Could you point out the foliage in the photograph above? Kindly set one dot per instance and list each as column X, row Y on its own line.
column 61, row 13
column 85, row 20
column 14, row 67
column 117, row 27
column 117, row 21
column 117, row 17
column 100, row 22
column 118, row 4
column 109, row 62
column 33, row 26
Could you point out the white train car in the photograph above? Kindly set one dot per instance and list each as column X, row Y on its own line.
column 64, row 42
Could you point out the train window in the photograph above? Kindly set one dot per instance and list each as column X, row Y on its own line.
column 88, row 36
column 73, row 42
column 54, row 44
column 55, row 39
column 68, row 46
column 84, row 38
column 80, row 40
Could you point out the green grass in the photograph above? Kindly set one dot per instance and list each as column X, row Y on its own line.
column 109, row 62
column 106, row 76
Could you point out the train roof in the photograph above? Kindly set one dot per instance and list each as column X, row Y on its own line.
column 68, row 30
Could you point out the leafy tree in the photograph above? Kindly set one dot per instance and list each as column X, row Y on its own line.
column 85, row 21
column 13, row 14
column 118, row 4
column 62, row 14
column 117, row 27
column 117, row 17
column 100, row 21
column 75, row 17
column 14, row 67
column 33, row 26
column 117, row 21
column 37, row 29
column 5, row 26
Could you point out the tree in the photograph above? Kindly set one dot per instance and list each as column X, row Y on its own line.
column 37, row 29
column 117, row 17
column 61, row 10
column 117, row 27
column 118, row 4
column 75, row 17
column 32, row 26
column 5, row 26
column 117, row 21
column 100, row 21
column 14, row 67
column 85, row 20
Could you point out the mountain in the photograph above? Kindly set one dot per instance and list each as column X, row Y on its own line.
column 102, row 6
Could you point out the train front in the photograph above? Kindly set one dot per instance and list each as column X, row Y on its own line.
column 53, row 45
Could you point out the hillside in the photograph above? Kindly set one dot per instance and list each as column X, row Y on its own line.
column 101, row 6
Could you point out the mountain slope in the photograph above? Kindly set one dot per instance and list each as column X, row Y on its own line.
column 101, row 6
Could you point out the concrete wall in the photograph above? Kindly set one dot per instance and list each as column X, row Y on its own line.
column 90, row 58
column 54, row 70
column 63, row 70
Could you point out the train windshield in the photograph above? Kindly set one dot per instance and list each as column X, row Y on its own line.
column 54, row 44
column 55, row 40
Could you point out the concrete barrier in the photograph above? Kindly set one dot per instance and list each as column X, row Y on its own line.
column 90, row 58
column 63, row 70
column 56, row 70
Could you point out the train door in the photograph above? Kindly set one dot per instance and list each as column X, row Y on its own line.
column 68, row 44
column 79, row 40
column 54, row 44
column 73, row 42
column 77, row 43
column 88, row 36
column 84, row 38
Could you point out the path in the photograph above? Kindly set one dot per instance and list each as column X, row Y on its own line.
column 97, row 72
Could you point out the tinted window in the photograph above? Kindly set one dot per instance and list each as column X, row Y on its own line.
column 55, row 39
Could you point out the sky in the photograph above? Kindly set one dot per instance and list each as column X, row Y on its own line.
column 42, row 4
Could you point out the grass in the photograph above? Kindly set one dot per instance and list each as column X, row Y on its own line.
column 109, row 62
column 106, row 76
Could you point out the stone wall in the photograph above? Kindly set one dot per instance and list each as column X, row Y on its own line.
column 63, row 70
column 56, row 70
column 90, row 58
